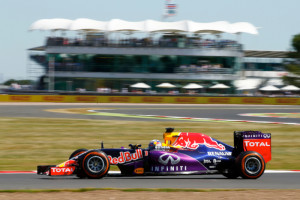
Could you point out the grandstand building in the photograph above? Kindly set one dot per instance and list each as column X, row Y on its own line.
column 117, row 54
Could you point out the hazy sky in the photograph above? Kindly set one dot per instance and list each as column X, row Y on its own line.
column 278, row 21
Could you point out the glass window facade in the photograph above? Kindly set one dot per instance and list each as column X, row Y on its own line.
column 141, row 63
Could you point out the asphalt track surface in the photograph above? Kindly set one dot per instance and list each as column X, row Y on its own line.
column 267, row 181
column 200, row 111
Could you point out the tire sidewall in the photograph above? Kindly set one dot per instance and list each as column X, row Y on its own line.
column 77, row 152
column 244, row 157
column 102, row 172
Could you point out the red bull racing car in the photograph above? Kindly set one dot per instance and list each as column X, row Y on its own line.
column 180, row 153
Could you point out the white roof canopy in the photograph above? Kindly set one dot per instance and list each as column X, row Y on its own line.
column 157, row 26
column 192, row 86
column 87, row 25
column 51, row 24
column 143, row 26
column 166, row 85
column 290, row 88
column 219, row 86
column 115, row 25
column 269, row 88
column 140, row 85
column 243, row 27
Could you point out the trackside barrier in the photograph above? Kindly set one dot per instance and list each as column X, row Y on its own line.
column 150, row 99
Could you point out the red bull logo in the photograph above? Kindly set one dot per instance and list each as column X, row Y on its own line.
column 126, row 157
column 194, row 140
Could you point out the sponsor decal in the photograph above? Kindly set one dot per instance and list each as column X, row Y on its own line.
column 252, row 136
column 256, row 135
column 215, row 161
column 221, row 153
column 126, row 157
column 256, row 144
column 152, row 99
column 146, row 153
column 219, row 100
column 206, row 161
column 119, row 99
column 169, row 158
column 20, row 98
column 267, row 136
column 139, row 171
column 53, row 98
column 287, row 101
column 194, row 140
column 262, row 146
column 162, row 161
column 185, row 100
column 56, row 171
column 252, row 100
column 82, row 98
column 169, row 168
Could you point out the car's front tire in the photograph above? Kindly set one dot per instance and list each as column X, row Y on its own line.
column 77, row 152
column 80, row 173
column 95, row 164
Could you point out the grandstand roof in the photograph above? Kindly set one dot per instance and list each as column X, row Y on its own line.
column 143, row 26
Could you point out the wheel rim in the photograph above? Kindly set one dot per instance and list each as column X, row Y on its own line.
column 252, row 165
column 95, row 164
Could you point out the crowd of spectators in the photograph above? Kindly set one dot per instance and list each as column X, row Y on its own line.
column 167, row 41
column 217, row 68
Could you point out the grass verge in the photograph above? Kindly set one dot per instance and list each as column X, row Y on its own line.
column 27, row 142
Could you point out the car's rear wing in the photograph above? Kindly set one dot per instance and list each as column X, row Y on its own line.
column 252, row 141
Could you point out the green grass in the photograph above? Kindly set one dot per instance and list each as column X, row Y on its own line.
column 27, row 142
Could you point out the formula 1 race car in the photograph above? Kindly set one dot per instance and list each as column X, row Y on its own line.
column 181, row 153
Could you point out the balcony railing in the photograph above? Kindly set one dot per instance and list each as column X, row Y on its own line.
column 192, row 43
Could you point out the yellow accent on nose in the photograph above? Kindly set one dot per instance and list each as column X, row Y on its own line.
column 61, row 165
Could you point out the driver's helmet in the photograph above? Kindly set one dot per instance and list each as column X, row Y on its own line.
column 154, row 144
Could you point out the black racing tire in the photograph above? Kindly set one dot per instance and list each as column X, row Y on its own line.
column 77, row 152
column 251, row 164
column 231, row 173
column 95, row 164
column 80, row 174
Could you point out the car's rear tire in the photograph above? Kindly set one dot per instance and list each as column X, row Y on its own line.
column 77, row 152
column 95, row 164
column 250, row 164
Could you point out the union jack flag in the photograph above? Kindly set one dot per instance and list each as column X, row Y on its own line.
column 171, row 8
